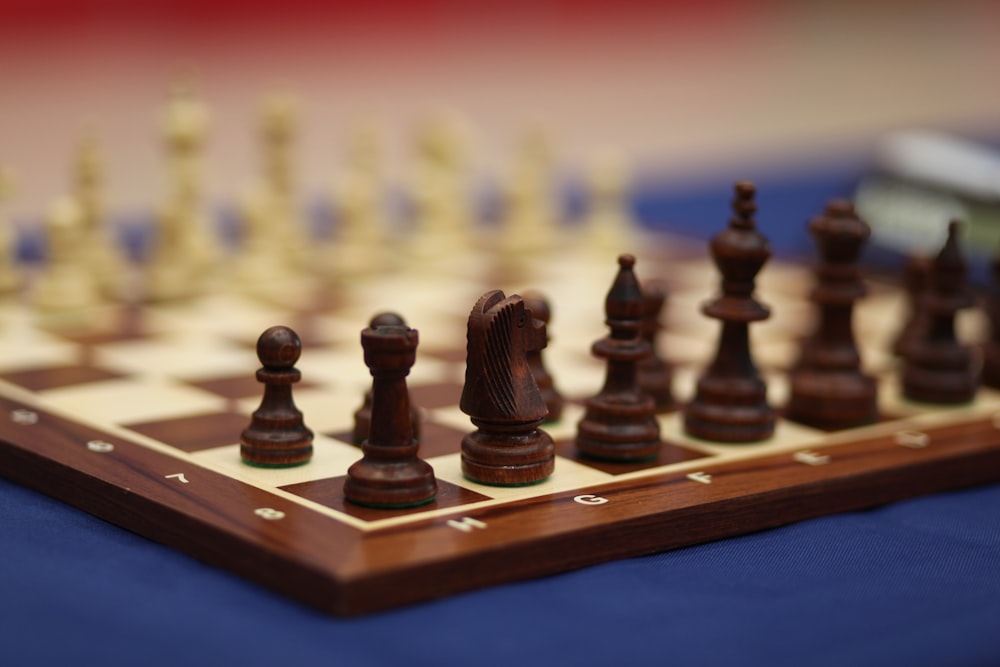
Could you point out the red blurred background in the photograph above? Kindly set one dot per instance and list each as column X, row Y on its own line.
column 682, row 87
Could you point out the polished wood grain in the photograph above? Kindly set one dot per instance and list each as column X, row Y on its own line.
column 276, row 541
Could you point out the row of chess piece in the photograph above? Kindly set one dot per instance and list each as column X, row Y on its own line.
column 508, row 393
column 275, row 240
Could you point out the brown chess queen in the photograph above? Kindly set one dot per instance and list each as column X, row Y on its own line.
column 730, row 404
column 828, row 389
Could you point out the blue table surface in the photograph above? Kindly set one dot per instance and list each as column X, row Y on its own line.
column 912, row 583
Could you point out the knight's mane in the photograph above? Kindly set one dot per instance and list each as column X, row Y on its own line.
column 497, row 355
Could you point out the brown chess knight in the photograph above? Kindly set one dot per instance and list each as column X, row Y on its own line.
column 501, row 396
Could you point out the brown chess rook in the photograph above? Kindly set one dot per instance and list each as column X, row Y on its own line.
column 730, row 403
column 277, row 436
column 619, row 423
column 390, row 474
column 363, row 415
column 539, row 307
column 937, row 367
column 501, row 396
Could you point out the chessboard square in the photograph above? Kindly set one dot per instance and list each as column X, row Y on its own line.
column 330, row 458
column 330, row 493
column 24, row 347
column 669, row 454
column 568, row 475
column 52, row 377
column 179, row 356
column 132, row 400
column 195, row 432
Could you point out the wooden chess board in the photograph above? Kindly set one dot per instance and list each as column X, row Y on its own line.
column 135, row 417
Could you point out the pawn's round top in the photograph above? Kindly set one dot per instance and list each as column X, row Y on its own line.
column 538, row 305
column 626, row 261
column 387, row 319
column 279, row 348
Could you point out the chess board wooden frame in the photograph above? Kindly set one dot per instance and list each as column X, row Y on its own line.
column 350, row 562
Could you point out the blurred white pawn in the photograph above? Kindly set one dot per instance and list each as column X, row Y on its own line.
column 10, row 278
column 360, row 243
column 608, row 227
column 66, row 284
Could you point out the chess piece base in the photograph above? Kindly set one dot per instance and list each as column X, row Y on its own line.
column 616, row 431
column 832, row 400
column 730, row 410
column 405, row 483
column 508, row 459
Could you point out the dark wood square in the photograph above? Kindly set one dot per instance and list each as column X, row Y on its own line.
column 669, row 453
column 330, row 493
column 195, row 432
column 53, row 377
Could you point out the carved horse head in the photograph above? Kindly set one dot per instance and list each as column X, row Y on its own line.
column 499, row 387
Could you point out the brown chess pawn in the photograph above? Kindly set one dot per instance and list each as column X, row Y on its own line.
column 937, row 367
column 730, row 403
column 277, row 436
column 390, row 474
column 363, row 415
column 916, row 278
column 619, row 423
column 501, row 396
column 655, row 374
column 538, row 305
column 828, row 389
